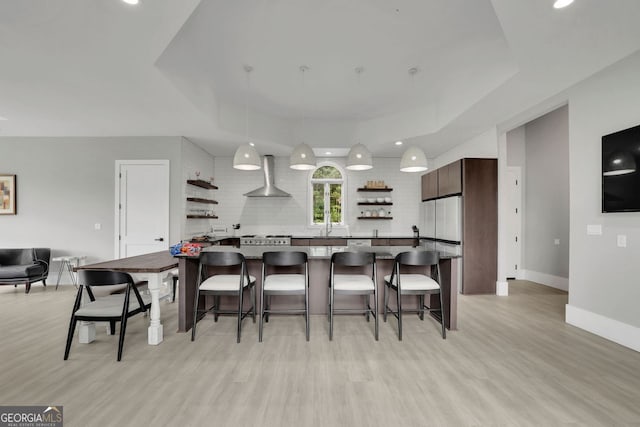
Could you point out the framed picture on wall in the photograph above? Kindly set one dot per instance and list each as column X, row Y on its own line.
column 7, row 194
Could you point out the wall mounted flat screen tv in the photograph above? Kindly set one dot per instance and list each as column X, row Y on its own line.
column 620, row 171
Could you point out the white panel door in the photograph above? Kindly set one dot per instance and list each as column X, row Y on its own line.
column 142, row 205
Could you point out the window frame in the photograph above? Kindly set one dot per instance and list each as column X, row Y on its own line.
column 343, row 193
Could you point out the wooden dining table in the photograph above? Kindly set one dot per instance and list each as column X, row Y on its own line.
column 153, row 268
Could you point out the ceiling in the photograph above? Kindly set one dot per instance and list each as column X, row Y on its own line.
column 105, row 68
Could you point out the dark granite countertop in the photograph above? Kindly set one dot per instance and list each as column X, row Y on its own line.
column 320, row 252
column 337, row 236
column 212, row 239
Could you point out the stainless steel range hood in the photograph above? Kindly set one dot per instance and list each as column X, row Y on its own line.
column 269, row 189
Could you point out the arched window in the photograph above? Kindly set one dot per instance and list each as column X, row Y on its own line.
column 327, row 194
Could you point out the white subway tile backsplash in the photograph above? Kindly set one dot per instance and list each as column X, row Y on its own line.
column 290, row 216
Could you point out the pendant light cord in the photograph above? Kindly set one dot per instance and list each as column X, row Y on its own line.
column 247, row 69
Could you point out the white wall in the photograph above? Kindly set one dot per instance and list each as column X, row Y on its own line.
column 66, row 185
column 290, row 215
column 546, row 198
column 484, row 145
column 604, row 292
column 603, row 288
column 195, row 159
column 516, row 148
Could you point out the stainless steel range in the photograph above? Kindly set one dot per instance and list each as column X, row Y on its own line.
column 268, row 240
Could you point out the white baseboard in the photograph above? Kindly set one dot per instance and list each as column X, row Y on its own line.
column 557, row 282
column 502, row 289
column 613, row 330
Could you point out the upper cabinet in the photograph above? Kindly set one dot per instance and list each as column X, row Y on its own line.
column 430, row 185
column 450, row 179
column 442, row 182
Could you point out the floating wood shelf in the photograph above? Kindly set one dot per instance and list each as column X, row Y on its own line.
column 375, row 217
column 375, row 189
column 199, row 200
column 202, row 184
column 202, row 216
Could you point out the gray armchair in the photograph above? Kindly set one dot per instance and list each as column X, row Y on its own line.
column 18, row 266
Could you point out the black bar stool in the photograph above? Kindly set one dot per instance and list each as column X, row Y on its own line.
column 274, row 283
column 224, row 284
column 353, row 284
column 414, row 284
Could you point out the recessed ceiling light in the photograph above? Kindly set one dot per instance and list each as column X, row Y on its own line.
column 559, row 4
column 252, row 144
column 130, row 1
column 328, row 153
column 398, row 143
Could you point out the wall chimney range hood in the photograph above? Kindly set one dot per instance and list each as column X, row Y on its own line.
column 269, row 189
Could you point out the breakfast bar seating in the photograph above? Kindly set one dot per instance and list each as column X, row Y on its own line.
column 211, row 281
column 319, row 258
column 418, row 284
column 348, row 283
column 278, row 283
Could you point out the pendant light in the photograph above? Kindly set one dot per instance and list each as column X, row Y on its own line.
column 246, row 157
column 302, row 157
column 413, row 160
column 559, row 4
column 619, row 163
column 359, row 158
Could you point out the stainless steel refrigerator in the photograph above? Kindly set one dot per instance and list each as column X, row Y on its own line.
column 441, row 224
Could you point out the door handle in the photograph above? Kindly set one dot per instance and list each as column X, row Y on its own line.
column 159, row 239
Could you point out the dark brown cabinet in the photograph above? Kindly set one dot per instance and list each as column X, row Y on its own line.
column 328, row 242
column 430, row 185
column 337, row 241
column 450, row 179
column 476, row 180
column 230, row 241
column 442, row 182
column 319, row 241
column 403, row 242
column 479, row 226
column 299, row 242
column 379, row 242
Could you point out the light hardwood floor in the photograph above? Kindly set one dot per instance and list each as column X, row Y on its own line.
column 513, row 362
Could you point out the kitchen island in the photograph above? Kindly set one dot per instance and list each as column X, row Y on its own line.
column 319, row 262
